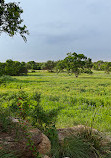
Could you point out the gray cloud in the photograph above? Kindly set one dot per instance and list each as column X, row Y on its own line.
column 59, row 26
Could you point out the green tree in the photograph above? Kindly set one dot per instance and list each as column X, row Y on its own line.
column 14, row 68
column 9, row 68
column 102, row 66
column 60, row 66
column 23, row 68
column 76, row 63
column 107, row 67
column 10, row 19
column 2, row 69
column 99, row 65
column 49, row 65
column 38, row 66
column 32, row 65
column 88, row 66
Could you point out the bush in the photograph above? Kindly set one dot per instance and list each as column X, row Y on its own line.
column 88, row 71
column 13, row 68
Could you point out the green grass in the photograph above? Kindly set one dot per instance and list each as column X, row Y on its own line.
column 85, row 100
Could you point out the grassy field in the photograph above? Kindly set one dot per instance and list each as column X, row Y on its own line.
column 84, row 100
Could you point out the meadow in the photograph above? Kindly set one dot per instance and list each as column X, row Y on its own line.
column 84, row 100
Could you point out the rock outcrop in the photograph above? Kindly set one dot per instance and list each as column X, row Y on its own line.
column 25, row 142
column 45, row 146
column 68, row 132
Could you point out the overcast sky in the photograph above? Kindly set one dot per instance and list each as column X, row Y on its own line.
column 60, row 26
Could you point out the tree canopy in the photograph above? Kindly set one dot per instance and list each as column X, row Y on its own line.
column 49, row 65
column 102, row 66
column 75, row 63
column 10, row 19
column 13, row 68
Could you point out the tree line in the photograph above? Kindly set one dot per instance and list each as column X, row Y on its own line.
column 102, row 66
column 73, row 63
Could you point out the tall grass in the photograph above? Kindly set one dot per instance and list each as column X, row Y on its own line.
column 80, row 98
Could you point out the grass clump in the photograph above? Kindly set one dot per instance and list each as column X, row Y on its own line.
column 81, row 147
column 75, row 147
column 85, row 144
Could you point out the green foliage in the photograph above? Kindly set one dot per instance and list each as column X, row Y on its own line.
column 76, row 147
column 18, row 103
column 83, row 145
column 10, row 19
column 49, row 65
column 37, row 112
column 108, row 67
column 42, row 118
column 52, row 134
column 80, row 97
column 88, row 71
column 2, row 68
column 75, row 63
column 60, row 66
column 58, row 101
column 13, row 68
column 102, row 66
column 6, row 79
column 26, row 106
column 33, row 65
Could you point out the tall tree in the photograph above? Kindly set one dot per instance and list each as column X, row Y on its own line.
column 76, row 63
column 10, row 19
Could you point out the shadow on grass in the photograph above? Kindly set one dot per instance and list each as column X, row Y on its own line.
column 53, row 114
column 29, row 81
column 92, row 77
column 32, row 74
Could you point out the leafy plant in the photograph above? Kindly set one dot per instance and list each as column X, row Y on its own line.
column 52, row 134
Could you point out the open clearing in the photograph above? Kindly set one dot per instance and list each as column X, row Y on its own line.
column 84, row 100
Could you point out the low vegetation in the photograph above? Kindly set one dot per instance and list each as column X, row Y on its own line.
column 50, row 101
column 81, row 99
